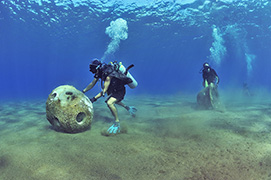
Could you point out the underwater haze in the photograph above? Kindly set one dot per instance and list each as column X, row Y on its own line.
column 46, row 43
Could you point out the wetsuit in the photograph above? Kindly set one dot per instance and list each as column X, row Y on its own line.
column 209, row 74
column 117, row 84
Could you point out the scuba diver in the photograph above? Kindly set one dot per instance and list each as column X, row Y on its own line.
column 246, row 90
column 113, row 83
column 210, row 82
column 209, row 75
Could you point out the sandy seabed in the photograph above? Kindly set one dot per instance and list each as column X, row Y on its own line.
column 170, row 138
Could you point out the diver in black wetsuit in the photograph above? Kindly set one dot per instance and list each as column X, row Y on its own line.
column 114, row 87
column 210, row 82
column 209, row 75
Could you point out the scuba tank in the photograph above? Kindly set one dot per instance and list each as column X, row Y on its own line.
column 119, row 67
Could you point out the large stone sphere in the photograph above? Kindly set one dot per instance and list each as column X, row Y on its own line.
column 203, row 99
column 69, row 110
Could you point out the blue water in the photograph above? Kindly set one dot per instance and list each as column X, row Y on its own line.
column 45, row 43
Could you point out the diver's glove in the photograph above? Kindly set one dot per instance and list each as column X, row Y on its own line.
column 93, row 99
column 114, row 129
column 132, row 110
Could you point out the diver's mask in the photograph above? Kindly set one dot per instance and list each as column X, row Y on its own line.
column 95, row 66
column 206, row 65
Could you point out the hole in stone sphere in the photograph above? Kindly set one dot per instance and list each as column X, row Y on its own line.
column 69, row 93
column 73, row 97
column 80, row 117
column 56, row 122
column 54, row 95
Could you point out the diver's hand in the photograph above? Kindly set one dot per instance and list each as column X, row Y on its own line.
column 114, row 129
column 93, row 99
column 132, row 110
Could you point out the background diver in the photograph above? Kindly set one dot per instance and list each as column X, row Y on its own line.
column 114, row 87
column 210, row 79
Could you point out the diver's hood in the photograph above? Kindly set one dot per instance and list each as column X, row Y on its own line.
column 206, row 65
column 95, row 65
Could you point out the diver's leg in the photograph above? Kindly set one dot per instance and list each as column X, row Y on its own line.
column 123, row 105
column 131, row 109
column 211, row 91
column 111, row 104
column 205, row 83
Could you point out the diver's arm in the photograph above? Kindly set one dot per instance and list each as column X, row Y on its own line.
column 91, row 85
column 100, row 94
column 217, row 78
column 106, row 84
column 204, row 76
